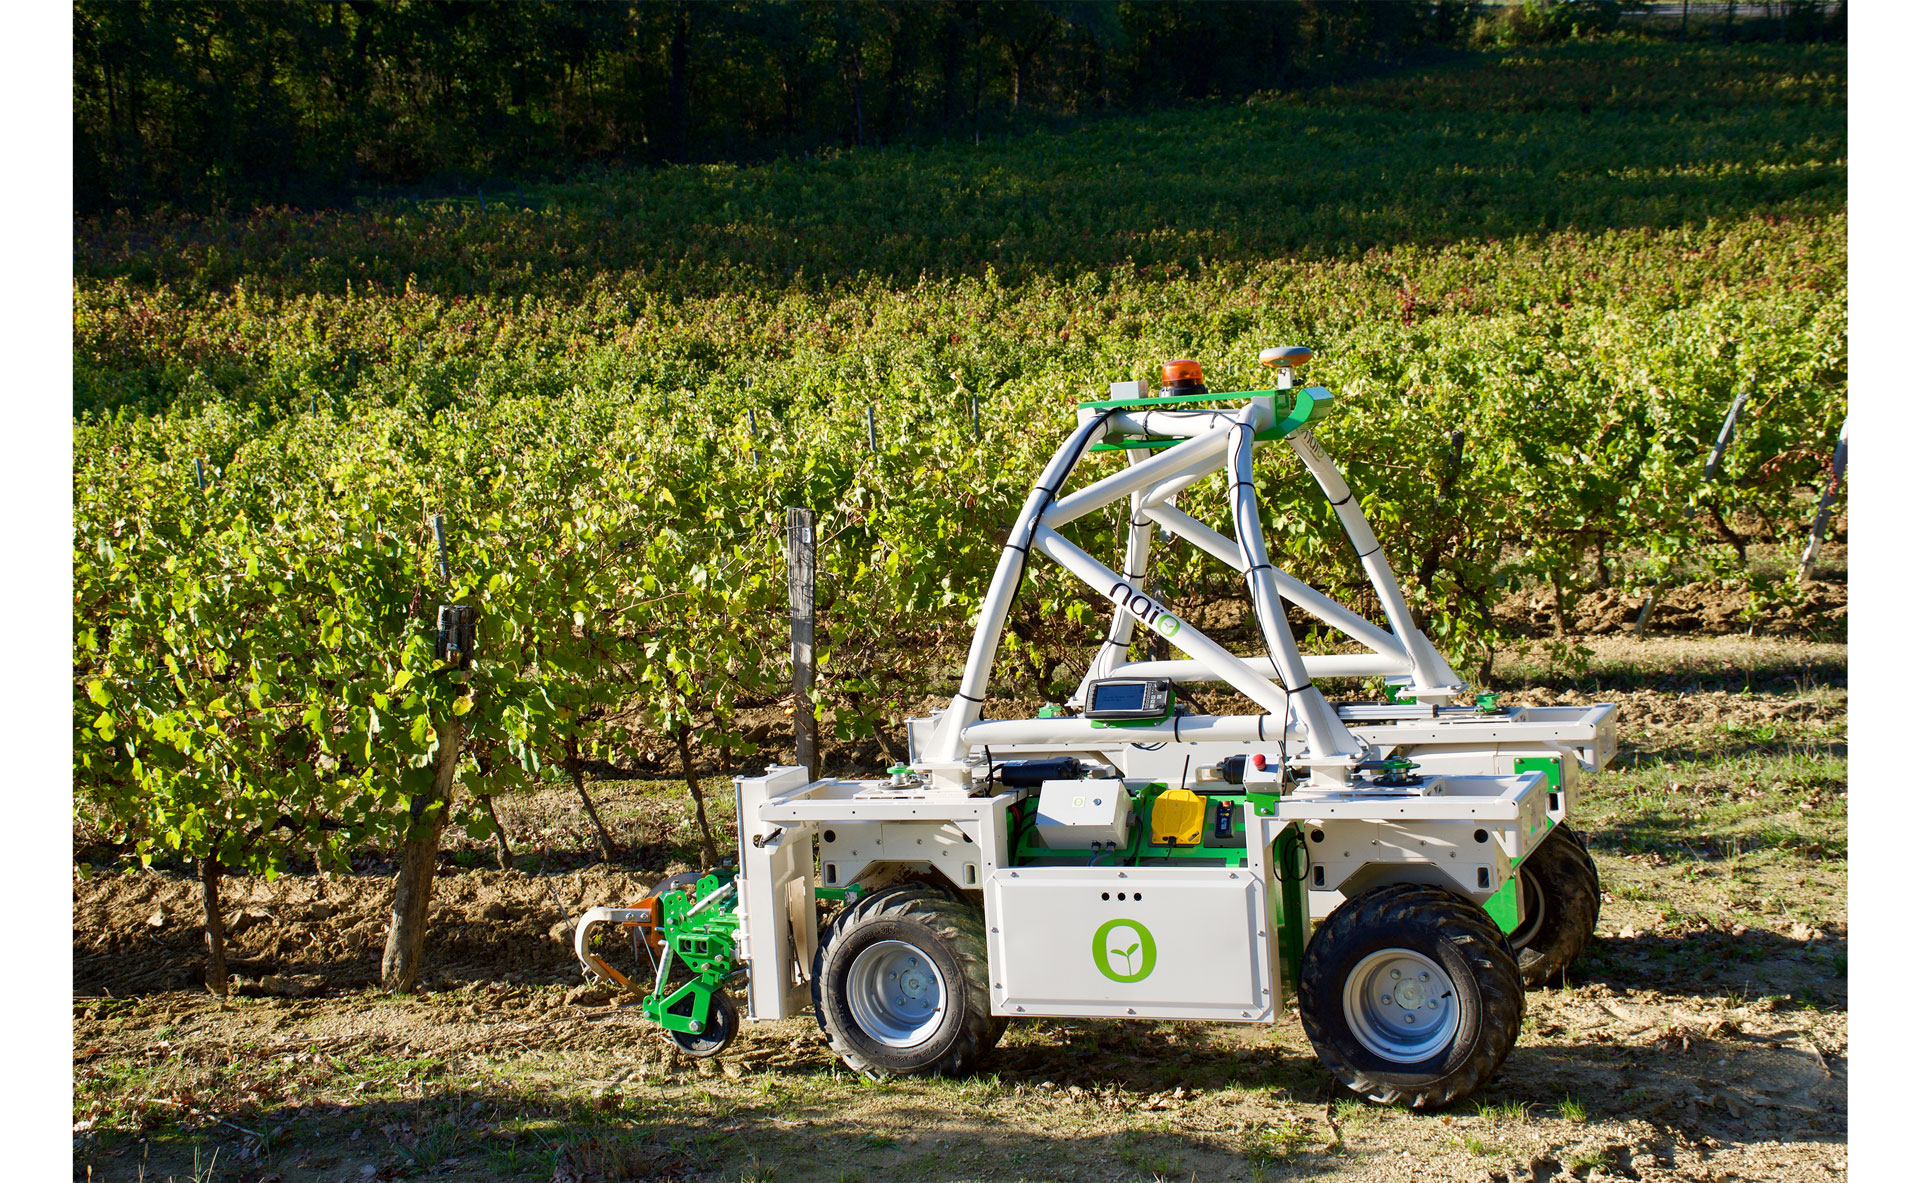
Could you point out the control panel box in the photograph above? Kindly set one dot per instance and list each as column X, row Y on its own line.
column 1082, row 814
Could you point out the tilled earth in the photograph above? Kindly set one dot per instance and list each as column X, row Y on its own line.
column 1703, row 1036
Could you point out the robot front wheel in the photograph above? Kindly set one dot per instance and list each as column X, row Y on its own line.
column 1410, row 995
column 901, row 986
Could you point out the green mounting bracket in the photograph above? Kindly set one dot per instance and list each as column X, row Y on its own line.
column 1547, row 764
column 703, row 940
column 1504, row 906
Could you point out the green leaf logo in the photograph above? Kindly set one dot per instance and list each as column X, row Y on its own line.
column 1123, row 963
column 1167, row 625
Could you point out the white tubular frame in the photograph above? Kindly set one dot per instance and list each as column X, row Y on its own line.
column 1433, row 680
column 1281, row 683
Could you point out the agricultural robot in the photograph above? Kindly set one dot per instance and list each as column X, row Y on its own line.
column 1404, row 869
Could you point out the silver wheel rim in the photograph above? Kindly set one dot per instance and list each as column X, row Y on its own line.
column 896, row 995
column 1401, row 1006
column 1523, row 936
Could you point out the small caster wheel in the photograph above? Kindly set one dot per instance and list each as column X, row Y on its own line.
column 722, row 1024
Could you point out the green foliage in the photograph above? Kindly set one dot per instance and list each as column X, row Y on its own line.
column 571, row 387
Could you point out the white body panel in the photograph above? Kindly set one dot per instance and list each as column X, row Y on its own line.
column 773, row 859
column 1198, row 935
column 1471, row 831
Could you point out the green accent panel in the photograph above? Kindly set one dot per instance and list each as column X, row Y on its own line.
column 1163, row 855
column 1168, row 400
column 1138, row 851
column 1547, row 764
column 1310, row 403
column 838, row 893
column 1293, row 915
column 1504, row 906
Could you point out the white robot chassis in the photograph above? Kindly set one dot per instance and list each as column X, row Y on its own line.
column 1404, row 868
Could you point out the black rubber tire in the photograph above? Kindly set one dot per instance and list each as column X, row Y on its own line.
column 953, row 937
column 1450, row 931
column 866, row 903
column 723, row 1023
column 1564, row 885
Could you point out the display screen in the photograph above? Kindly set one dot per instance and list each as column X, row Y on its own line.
column 1119, row 696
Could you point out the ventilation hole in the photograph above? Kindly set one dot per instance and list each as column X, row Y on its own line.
column 1319, row 876
column 973, row 874
column 833, row 873
column 1319, row 835
column 1553, row 802
column 827, row 837
column 1486, row 879
column 1479, row 835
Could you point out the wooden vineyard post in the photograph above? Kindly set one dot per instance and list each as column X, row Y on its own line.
column 800, row 575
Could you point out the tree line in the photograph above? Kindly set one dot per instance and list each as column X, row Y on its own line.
column 209, row 103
